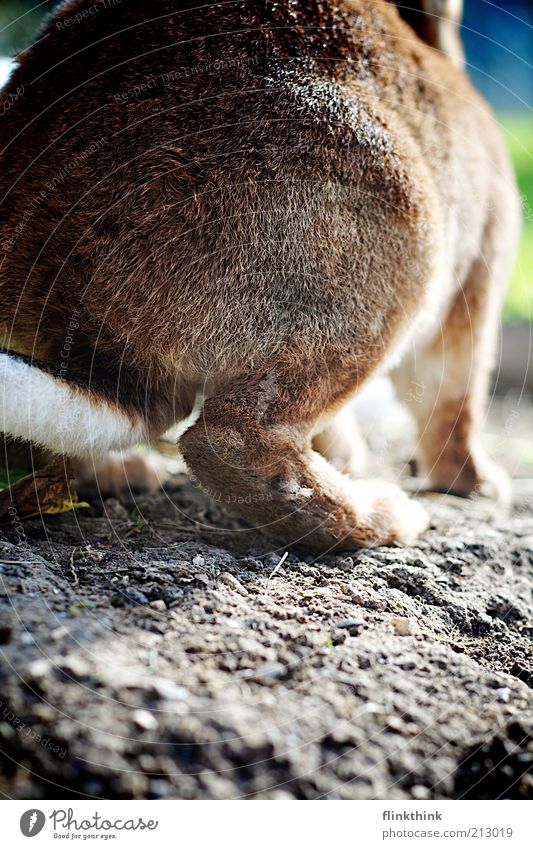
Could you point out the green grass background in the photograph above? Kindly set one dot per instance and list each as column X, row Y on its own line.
column 518, row 131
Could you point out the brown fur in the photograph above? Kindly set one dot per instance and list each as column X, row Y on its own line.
column 264, row 203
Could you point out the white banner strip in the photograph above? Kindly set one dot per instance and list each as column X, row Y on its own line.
column 319, row 825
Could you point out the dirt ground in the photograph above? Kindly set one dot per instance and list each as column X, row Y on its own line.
column 153, row 648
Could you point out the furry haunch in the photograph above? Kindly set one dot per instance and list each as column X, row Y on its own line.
column 261, row 204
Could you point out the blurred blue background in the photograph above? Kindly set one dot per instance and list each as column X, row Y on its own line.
column 498, row 39
column 499, row 47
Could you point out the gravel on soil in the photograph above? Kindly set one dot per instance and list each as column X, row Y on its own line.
column 157, row 648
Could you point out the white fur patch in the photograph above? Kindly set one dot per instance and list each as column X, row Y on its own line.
column 177, row 430
column 6, row 69
column 52, row 413
column 292, row 487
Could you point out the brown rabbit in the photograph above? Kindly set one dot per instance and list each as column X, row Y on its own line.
column 233, row 215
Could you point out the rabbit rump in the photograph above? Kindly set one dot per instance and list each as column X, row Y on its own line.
column 232, row 215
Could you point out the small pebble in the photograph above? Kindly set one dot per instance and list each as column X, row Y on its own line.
column 404, row 626
column 158, row 604
column 233, row 582
column 168, row 690
column 418, row 791
column 74, row 666
column 199, row 576
column 350, row 623
column 39, row 668
column 271, row 670
column 503, row 694
column 198, row 560
column 134, row 596
column 144, row 720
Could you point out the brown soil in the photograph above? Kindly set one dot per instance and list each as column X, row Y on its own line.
column 152, row 649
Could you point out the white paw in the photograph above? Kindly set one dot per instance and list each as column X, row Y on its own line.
column 392, row 515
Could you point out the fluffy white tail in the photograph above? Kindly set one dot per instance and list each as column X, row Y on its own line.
column 60, row 415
